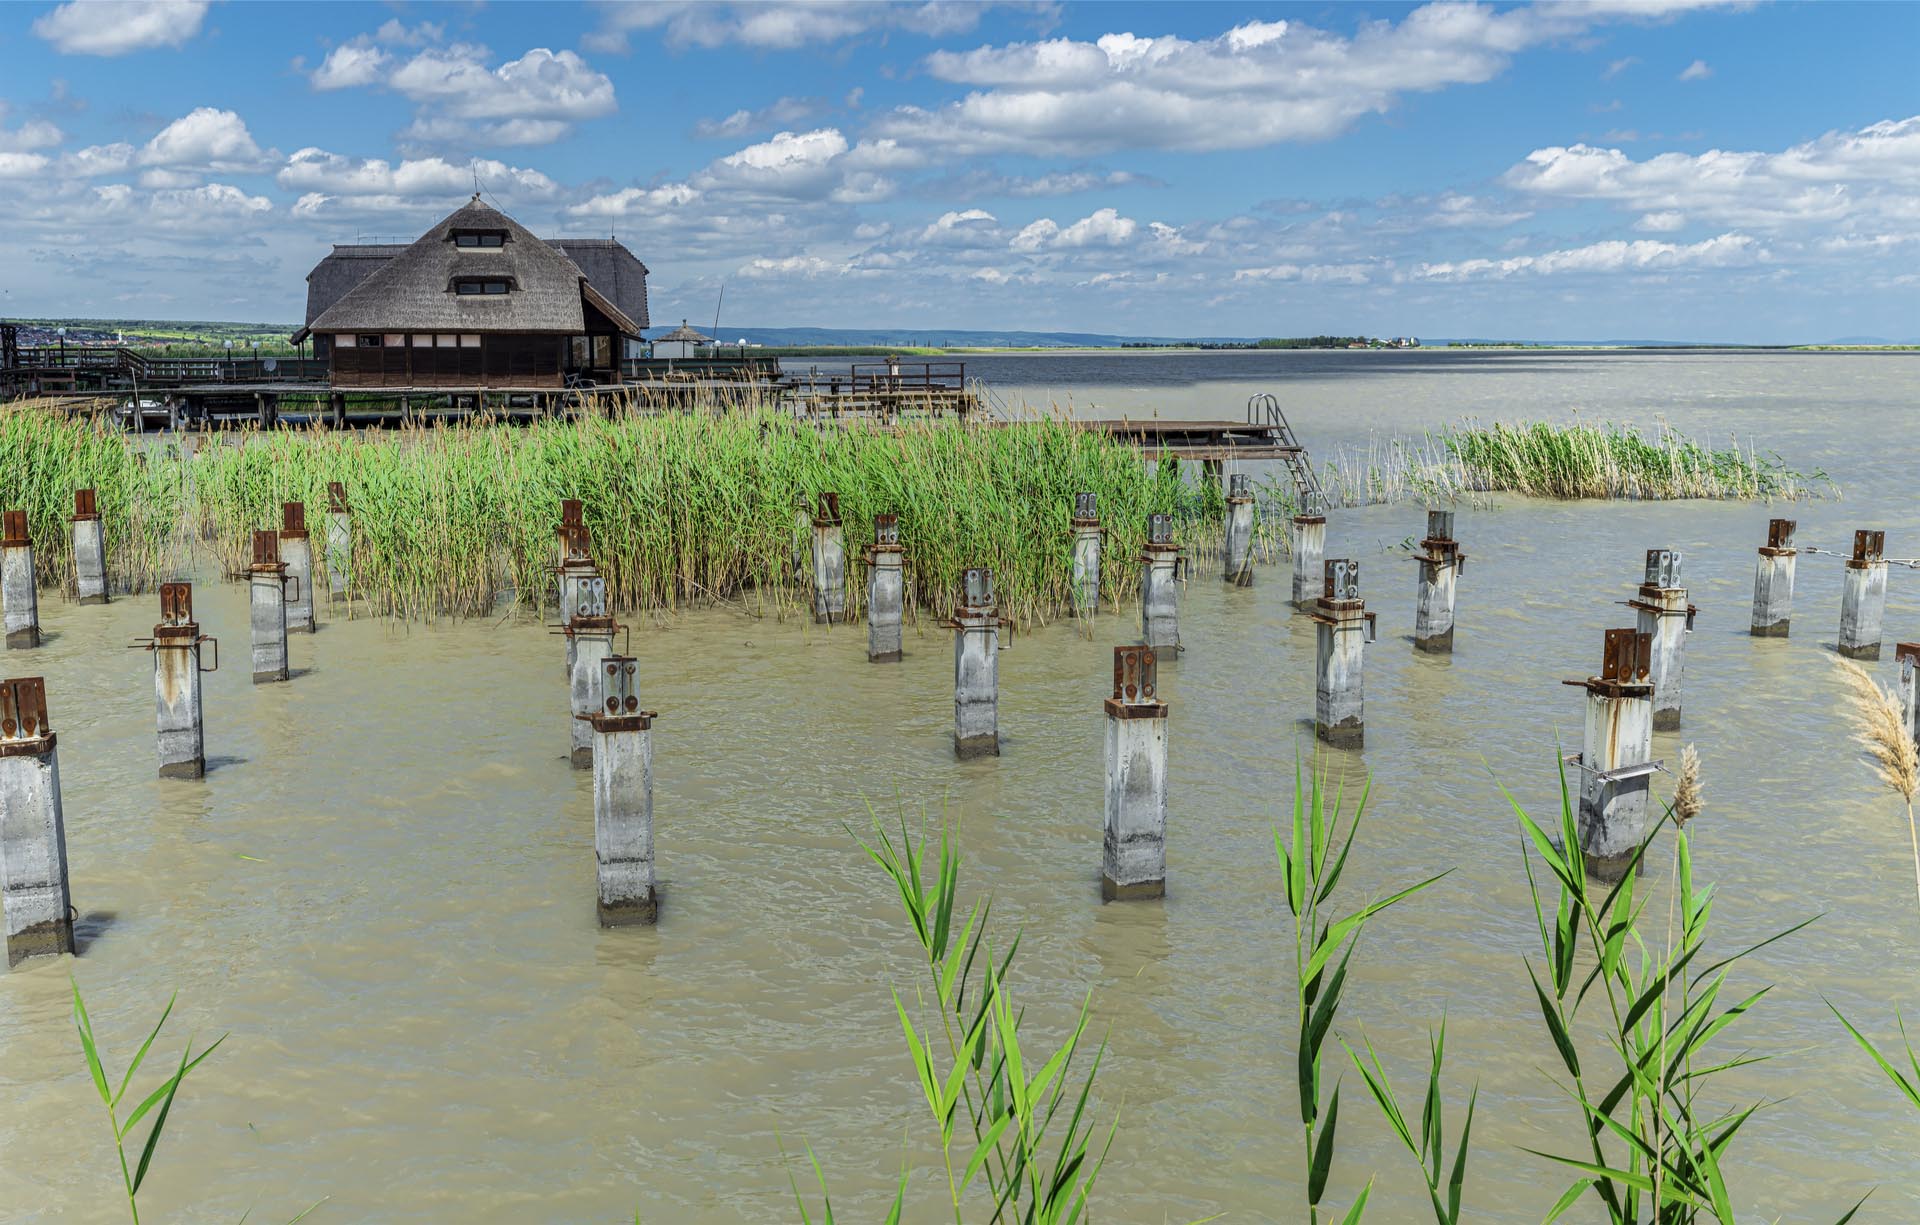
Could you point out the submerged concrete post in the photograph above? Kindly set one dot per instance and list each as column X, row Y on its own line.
column 1666, row 617
column 1773, row 581
column 590, row 634
column 267, row 580
column 623, row 796
column 576, row 568
column 886, row 591
column 1440, row 567
column 1307, row 537
column 19, row 594
column 1616, row 761
column 829, row 563
column 976, row 669
column 176, row 684
column 1343, row 626
column 1160, row 589
column 89, row 549
column 296, row 551
column 339, row 540
column 1908, row 656
column 33, row 835
column 1086, row 554
column 1863, row 596
column 1237, row 546
column 1133, row 859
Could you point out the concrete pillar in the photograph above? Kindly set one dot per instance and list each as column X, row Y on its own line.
column 1773, row 581
column 1159, row 589
column 89, row 549
column 829, row 563
column 1133, row 859
column 1343, row 626
column 33, row 834
column 1238, row 545
column 1307, row 536
column 576, row 569
column 1086, row 554
column 886, row 591
column 976, row 669
column 1440, row 566
column 1616, row 761
column 19, row 593
column 623, row 797
column 590, row 636
column 267, row 597
column 176, row 684
column 1863, row 596
column 339, row 541
column 1907, row 654
column 1666, row 617
column 296, row 552
column 337, row 404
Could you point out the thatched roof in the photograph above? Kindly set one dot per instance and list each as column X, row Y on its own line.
column 612, row 269
column 411, row 288
column 684, row 333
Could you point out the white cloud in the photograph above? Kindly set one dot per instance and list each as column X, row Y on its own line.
column 1841, row 177
column 1457, row 211
column 1661, row 223
column 1102, row 228
column 96, row 160
column 117, row 27
column 1641, row 255
column 22, row 165
column 1616, row 67
column 205, row 139
column 1256, row 84
column 1696, row 71
column 332, row 184
column 31, row 135
column 350, row 65
column 1309, row 274
column 212, row 203
column 635, row 201
column 972, row 227
column 787, row 24
column 783, row 112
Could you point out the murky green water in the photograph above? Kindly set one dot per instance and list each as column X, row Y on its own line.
column 384, row 887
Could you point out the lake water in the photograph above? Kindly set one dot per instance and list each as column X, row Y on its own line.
column 384, row 888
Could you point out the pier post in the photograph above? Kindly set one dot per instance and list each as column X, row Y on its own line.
column 1159, row 589
column 19, row 595
column 576, row 568
column 296, row 551
column 976, row 669
column 267, row 580
column 337, row 409
column 1907, row 654
column 829, row 563
column 33, row 835
column 590, row 635
column 339, row 541
column 1086, row 554
column 1666, row 617
column 1238, row 545
column 886, row 591
column 1133, row 860
column 176, row 684
column 1440, row 567
column 89, row 549
column 623, row 797
column 1343, row 627
column 1773, row 581
column 1863, row 596
column 1307, row 536
column 1616, row 761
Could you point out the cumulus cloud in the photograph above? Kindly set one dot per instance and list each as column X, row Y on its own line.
column 331, row 183
column 784, row 112
column 1258, row 83
column 1308, row 274
column 350, row 65
column 204, row 140
column 635, row 201
column 1642, row 255
column 1696, row 71
column 31, row 135
column 1867, row 176
column 22, row 165
column 786, row 24
column 118, row 27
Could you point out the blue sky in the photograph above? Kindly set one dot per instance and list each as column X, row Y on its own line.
column 1676, row 169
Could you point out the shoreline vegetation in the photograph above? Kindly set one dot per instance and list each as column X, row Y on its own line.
column 707, row 508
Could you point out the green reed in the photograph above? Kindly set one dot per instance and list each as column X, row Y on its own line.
column 1547, row 460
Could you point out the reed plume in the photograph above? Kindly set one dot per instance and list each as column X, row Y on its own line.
column 1689, row 797
column 1879, row 728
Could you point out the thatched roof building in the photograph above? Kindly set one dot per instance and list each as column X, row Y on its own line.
column 477, row 300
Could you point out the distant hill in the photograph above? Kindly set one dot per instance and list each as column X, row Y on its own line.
column 959, row 338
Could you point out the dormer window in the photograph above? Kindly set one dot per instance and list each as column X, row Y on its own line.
column 480, row 238
column 481, row 286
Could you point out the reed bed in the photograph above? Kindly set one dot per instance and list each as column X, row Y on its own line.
column 1545, row 460
column 682, row 508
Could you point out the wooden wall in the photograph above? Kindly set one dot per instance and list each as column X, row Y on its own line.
column 499, row 361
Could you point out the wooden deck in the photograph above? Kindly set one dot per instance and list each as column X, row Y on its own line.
column 1201, row 440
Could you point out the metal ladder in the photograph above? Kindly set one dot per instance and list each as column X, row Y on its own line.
column 1264, row 409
